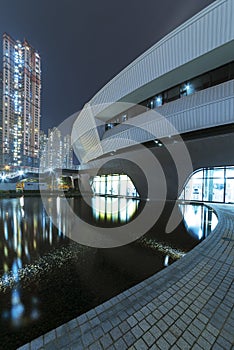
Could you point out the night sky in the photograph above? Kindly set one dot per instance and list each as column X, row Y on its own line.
column 83, row 44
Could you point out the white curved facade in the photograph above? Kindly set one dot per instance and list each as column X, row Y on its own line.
column 203, row 43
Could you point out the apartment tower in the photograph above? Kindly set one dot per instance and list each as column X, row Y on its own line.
column 21, row 103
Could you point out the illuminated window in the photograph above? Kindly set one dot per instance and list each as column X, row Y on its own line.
column 114, row 185
column 210, row 185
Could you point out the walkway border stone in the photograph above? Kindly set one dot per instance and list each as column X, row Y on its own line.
column 188, row 305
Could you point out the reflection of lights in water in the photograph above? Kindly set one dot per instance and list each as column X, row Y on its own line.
column 43, row 222
column 58, row 203
column 50, row 231
column 5, row 314
column 35, row 314
column 35, row 225
column 5, row 251
column 162, row 247
column 34, row 272
column 15, row 230
column 5, row 267
column 15, row 268
column 64, row 228
column 5, row 278
column 26, row 250
column 123, row 210
column 21, row 201
column 17, row 308
column 199, row 220
column 114, row 209
column 214, row 221
column 166, row 260
column 5, row 230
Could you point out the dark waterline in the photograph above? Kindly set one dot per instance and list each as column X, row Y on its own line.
column 46, row 279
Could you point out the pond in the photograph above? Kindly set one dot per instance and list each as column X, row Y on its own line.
column 47, row 279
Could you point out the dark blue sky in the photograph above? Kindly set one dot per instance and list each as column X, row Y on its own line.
column 83, row 44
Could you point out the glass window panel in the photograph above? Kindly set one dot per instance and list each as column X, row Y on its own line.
column 214, row 190
column 219, row 75
column 231, row 70
column 102, row 185
column 201, row 82
column 158, row 100
column 198, row 174
column 229, row 195
column 230, row 172
column 214, row 172
column 193, row 190
column 115, row 186
column 172, row 94
column 109, row 184
column 186, row 89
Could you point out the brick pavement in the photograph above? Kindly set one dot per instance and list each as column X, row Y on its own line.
column 188, row 305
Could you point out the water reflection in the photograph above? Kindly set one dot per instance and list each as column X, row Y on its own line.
column 25, row 237
column 114, row 209
column 199, row 220
column 46, row 280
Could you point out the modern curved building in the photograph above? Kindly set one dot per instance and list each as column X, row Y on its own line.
column 176, row 97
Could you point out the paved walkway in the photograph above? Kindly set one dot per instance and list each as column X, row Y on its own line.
column 188, row 305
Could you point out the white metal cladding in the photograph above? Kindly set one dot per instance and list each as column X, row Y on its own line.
column 85, row 137
column 204, row 109
column 209, row 29
column 177, row 110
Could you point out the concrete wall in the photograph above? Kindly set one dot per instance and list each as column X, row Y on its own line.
column 216, row 150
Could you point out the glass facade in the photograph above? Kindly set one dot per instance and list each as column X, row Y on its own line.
column 114, row 185
column 210, row 185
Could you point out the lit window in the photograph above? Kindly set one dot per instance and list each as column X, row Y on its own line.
column 158, row 101
column 210, row 185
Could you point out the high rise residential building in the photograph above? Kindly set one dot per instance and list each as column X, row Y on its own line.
column 52, row 154
column 67, row 158
column 21, row 103
column 55, row 150
column 43, row 139
column 1, row 86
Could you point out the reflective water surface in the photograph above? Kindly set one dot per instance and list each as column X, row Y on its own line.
column 46, row 279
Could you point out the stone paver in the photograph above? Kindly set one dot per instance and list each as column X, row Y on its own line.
column 188, row 305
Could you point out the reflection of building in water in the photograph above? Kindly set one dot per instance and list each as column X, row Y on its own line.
column 114, row 209
column 28, row 233
column 114, row 185
column 210, row 184
column 198, row 220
